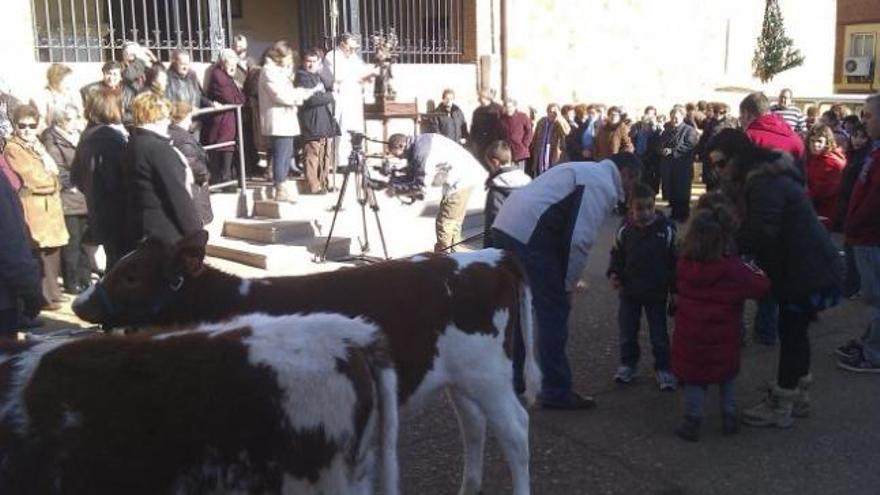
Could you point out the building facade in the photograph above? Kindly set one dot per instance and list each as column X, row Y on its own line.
column 630, row 52
column 856, row 37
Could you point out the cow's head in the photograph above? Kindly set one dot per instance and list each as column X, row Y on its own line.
column 143, row 282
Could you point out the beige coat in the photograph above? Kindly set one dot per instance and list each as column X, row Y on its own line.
column 279, row 101
column 40, row 193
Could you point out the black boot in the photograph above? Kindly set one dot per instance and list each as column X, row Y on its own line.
column 689, row 429
column 729, row 424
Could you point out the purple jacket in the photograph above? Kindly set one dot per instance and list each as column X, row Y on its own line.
column 221, row 126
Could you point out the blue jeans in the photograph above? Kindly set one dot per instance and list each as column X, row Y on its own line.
column 546, row 273
column 868, row 261
column 852, row 282
column 695, row 396
column 282, row 153
column 629, row 317
column 767, row 319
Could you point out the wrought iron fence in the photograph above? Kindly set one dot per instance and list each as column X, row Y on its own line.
column 430, row 31
column 95, row 30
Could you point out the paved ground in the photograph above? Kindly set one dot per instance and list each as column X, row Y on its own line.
column 626, row 446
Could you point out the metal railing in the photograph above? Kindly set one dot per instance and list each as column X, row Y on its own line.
column 241, row 182
column 96, row 30
column 430, row 31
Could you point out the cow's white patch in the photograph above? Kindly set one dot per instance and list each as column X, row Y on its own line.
column 245, row 288
column 490, row 257
column 419, row 258
column 336, row 478
column 26, row 363
column 500, row 319
column 84, row 296
column 303, row 351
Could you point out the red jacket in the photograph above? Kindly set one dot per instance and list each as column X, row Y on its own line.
column 862, row 226
column 516, row 129
column 771, row 132
column 708, row 322
column 221, row 127
column 824, row 173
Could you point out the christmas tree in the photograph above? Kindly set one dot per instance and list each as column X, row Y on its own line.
column 775, row 52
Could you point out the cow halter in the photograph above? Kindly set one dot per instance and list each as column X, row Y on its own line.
column 140, row 315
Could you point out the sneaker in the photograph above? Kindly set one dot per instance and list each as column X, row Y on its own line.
column 666, row 380
column 573, row 401
column 624, row 374
column 849, row 350
column 857, row 364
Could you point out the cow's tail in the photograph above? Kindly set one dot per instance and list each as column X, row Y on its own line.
column 388, row 404
column 531, row 371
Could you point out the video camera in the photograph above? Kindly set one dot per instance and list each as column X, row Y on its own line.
column 402, row 182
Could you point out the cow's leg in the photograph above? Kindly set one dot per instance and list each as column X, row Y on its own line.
column 473, row 437
column 510, row 422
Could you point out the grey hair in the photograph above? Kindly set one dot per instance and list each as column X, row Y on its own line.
column 511, row 101
column 59, row 114
column 240, row 37
column 179, row 52
column 228, row 56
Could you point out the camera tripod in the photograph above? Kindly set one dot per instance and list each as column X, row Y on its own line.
column 366, row 196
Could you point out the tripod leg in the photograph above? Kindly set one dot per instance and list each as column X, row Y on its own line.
column 336, row 210
column 374, row 205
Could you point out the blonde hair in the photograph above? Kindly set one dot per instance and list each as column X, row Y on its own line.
column 149, row 108
column 55, row 74
column 180, row 110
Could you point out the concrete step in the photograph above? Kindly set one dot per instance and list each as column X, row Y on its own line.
column 269, row 231
column 275, row 257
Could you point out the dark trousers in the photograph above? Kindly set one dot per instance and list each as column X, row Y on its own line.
column 50, row 261
column 794, row 347
column 681, row 209
column 8, row 321
column 75, row 259
column 317, row 156
column 220, row 166
column 767, row 319
column 629, row 316
column 546, row 273
column 852, row 283
column 282, row 153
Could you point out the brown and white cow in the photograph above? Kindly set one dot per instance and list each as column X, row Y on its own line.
column 449, row 322
column 258, row 404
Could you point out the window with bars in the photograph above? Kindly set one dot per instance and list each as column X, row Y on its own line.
column 95, row 30
column 429, row 31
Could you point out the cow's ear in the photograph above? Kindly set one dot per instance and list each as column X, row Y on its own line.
column 189, row 252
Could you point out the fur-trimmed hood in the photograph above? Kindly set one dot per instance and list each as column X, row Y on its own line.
column 783, row 165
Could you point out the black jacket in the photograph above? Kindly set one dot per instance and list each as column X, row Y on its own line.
column 19, row 271
column 197, row 158
column 97, row 172
column 644, row 259
column 63, row 152
column 781, row 231
column 499, row 185
column 158, row 203
column 316, row 113
column 854, row 164
column 485, row 122
column 448, row 121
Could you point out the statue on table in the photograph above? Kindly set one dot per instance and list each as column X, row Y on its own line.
column 384, row 53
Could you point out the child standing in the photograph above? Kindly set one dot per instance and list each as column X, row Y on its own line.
column 824, row 171
column 504, row 178
column 642, row 270
column 712, row 285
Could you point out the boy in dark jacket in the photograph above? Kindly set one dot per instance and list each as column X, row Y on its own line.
column 504, row 178
column 642, row 270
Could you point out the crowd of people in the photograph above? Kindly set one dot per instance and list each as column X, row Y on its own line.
column 130, row 156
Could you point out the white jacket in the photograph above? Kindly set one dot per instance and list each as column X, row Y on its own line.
column 279, row 100
column 597, row 188
column 446, row 163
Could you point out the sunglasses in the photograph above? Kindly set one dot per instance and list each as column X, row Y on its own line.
column 27, row 126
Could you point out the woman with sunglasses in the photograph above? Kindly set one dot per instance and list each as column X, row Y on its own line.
column 780, row 229
column 40, row 196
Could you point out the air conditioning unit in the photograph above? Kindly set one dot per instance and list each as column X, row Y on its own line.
column 857, row 66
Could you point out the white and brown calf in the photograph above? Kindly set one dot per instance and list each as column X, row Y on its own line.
column 258, row 404
column 449, row 322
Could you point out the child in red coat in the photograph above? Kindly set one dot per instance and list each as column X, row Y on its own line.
column 712, row 284
column 824, row 171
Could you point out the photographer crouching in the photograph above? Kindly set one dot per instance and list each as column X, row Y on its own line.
column 445, row 164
